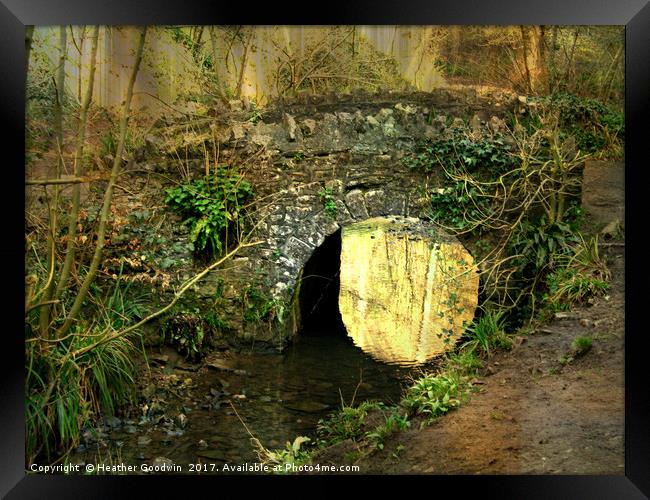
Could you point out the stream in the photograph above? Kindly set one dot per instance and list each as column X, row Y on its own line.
column 187, row 417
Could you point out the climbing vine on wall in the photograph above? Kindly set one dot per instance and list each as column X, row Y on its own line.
column 490, row 154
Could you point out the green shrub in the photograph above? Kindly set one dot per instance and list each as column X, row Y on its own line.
column 255, row 114
column 586, row 258
column 188, row 333
column 109, row 142
column 393, row 422
column 537, row 243
column 216, row 321
column 433, row 396
column 580, row 346
column 487, row 332
column 569, row 286
column 465, row 361
column 346, row 423
column 119, row 307
column 283, row 460
column 63, row 393
column 577, row 276
column 213, row 207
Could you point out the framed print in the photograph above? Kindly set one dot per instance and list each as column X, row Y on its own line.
column 374, row 241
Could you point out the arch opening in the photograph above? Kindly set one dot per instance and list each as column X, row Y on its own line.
column 319, row 290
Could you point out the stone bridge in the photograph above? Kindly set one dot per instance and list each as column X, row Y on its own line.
column 344, row 151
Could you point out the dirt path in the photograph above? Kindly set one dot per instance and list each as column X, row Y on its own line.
column 533, row 414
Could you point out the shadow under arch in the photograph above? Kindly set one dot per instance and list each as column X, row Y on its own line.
column 318, row 292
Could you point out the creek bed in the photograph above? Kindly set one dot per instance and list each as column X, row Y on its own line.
column 186, row 415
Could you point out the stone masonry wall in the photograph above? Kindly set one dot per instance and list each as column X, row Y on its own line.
column 352, row 144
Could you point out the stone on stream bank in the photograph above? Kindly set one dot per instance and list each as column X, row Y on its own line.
column 307, row 406
column 408, row 290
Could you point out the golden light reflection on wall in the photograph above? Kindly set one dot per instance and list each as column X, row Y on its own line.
column 405, row 296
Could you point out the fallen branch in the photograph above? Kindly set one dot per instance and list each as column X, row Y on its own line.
column 64, row 180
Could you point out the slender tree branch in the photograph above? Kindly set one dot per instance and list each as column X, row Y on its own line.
column 108, row 196
column 44, row 317
column 78, row 158
column 186, row 286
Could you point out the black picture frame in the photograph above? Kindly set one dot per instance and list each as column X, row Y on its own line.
column 16, row 14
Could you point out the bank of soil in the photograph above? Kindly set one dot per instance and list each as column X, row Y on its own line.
column 532, row 413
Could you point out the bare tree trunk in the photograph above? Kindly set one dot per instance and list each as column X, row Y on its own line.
column 526, row 51
column 82, row 38
column 552, row 62
column 569, row 64
column 63, row 180
column 534, row 60
column 60, row 94
column 544, row 84
column 44, row 315
column 240, row 81
column 198, row 34
column 29, row 36
column 78, row 160
column 108, row 196
column 229, row 51
column 609, row 77
column 215, row 65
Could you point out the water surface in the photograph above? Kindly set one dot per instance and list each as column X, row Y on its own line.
column 278, row 397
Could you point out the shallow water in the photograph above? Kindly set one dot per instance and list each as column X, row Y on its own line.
column 285, row 396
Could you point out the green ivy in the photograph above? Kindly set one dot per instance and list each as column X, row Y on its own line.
column 458, row 205
column 212, row 207
column 594, row 125
column 490, row 154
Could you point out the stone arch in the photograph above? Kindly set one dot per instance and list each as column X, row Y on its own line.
column 354, row 147
column 407, row 289
column 302, row 225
